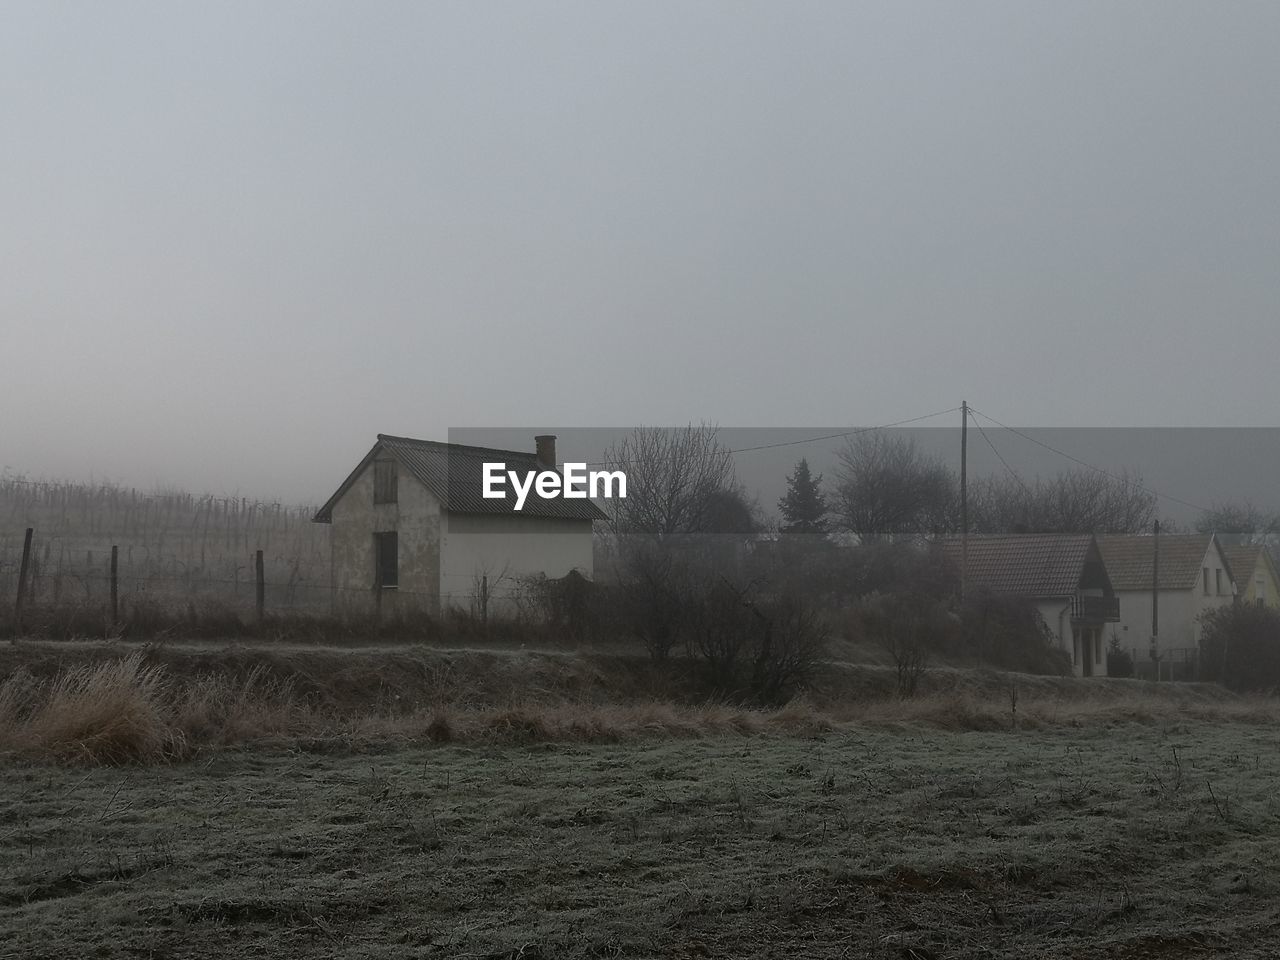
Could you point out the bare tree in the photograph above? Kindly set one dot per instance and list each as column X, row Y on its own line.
column 1243, row 519
column 678, row 481
column 1074, row 501
column 654, row 597
column 900, row 626
column 885, row 486
column 763, row 646
column 793, row 640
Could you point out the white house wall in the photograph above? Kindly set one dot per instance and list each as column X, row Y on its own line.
column 1059, row 626
column 505, row 548
column 1057, row 616
column 1180, row 611
column 1177, row 616
column 1217, row 597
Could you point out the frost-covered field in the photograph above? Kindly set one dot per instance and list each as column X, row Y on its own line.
column 1124, row 841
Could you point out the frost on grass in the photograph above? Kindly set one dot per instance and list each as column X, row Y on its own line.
column 1134, row 841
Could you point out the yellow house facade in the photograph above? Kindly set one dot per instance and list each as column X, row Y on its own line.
column 1256, row 576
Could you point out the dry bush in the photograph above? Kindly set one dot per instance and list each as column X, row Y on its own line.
column 134, row 709
column 909, row 628
column 225, row 710
column 110, row 713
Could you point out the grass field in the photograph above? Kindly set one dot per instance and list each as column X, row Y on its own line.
column 1129, row 841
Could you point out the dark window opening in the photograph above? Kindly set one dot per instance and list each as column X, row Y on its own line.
column 384, row 481
column 386, row 558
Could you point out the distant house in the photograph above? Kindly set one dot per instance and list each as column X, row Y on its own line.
column 1062, row 574
column 412, row 529
column 1194, row 576
column 1256, row 576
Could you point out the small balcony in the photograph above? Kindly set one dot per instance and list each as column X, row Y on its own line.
column 1085, row 609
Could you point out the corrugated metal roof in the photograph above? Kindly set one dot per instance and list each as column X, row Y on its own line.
column 454, row 473
column 1028, row 565
column 1129, row 559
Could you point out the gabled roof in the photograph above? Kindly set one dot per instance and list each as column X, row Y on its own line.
column 1028, row 565
column 1245, row 558
column 454, row 473
column 1129, row 559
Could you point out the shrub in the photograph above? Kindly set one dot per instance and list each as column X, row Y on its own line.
column 1240, row 647
column 909, row 628
column 793, row 641
column 1009, row 632
column 1119, row 662
column 834, row 576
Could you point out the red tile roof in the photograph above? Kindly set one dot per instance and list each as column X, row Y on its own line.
column 1129, row 559
column 1029, row 565
column 1244, row 559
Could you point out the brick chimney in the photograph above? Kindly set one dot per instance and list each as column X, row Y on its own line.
column 546, row 450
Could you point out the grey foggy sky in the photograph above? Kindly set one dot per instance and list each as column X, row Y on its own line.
column 240, row 239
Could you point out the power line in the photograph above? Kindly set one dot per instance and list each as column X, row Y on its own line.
column 1084, row 463
column 847, row 433
column 1012, row 472
column 792, row 443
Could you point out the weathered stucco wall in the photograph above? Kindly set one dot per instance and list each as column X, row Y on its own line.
column 415, row 518
column 505, row 548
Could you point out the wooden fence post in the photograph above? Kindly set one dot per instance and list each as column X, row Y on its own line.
column 261, row 585
column 22, row 581
column 115, row 586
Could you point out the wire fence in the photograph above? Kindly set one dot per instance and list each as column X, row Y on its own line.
column 1176, row 663
column 86, row 580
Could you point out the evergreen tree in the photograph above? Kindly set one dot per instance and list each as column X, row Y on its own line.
column 804, row 508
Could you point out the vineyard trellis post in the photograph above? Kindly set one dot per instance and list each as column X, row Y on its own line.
column 22, row 580
column 115, row 586
column 261, row 586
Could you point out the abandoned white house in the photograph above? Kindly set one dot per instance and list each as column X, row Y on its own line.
column 1194, row 576
column 1062, row 574
column 412, row 529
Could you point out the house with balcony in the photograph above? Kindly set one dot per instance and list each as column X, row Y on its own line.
column 1191, row 577
column 1063, row 575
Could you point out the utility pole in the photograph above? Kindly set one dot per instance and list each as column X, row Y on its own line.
column 964, row 497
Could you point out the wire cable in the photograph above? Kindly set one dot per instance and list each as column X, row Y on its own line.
column 1012, row 472
column 827, row 436
column 1084, row 463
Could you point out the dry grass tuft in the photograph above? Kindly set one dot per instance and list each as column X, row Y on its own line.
column 110, row 713
column 221, row 710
